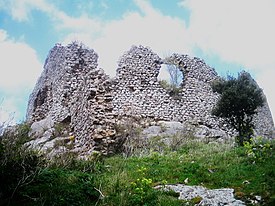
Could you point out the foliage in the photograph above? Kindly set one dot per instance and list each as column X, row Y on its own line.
column 29, row 179
column 62, row 187
column 4, row 123
column 137, row 145
column 173, row 87
column 127, row 183
column 18, row 166
column 61, row 129
column 172, row 90
column 16, row 136
column 258, row 149
column 129, row 134
column 210, row 165
column 141, row 190
column 239, row 100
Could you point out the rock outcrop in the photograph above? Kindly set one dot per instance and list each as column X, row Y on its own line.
column 74, row 93
column 204, row 196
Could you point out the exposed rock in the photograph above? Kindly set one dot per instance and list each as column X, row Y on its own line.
column 39, row 128
column 215, row 197
column 164, row 129
column 206, row 132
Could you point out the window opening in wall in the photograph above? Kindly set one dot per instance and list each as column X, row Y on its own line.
column 171, row 79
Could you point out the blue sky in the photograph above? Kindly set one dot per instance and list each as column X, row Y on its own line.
column 229, row 35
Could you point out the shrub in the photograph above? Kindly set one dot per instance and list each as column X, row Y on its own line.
column 258, row 149
column 141, row 192
column 238, row 103
column 26, row 177
column 62, row 187
column 18, row 166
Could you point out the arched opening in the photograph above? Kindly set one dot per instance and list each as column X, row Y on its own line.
column 171, row 79
column 172, row 74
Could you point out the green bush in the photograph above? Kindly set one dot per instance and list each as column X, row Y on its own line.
column 28, row 178
column 18, row 166
column 15, row 174
column 62, row 187
column 258, row 149
column 141, row 192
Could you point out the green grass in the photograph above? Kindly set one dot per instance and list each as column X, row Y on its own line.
column 213, row 166
column 124, row 181
column 62, row 187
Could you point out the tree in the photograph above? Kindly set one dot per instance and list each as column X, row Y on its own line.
column 238, row 103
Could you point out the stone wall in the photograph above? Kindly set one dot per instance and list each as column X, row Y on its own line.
column 138, row 92
column 72, row 90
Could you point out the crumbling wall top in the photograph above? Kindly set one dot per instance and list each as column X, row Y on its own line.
column 192, row 68
column 139, row 63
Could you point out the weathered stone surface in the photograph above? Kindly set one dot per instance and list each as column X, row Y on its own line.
column 206, row 132
column 74, row 92
column 164, row 129
column 40, row 127
column 215, row 197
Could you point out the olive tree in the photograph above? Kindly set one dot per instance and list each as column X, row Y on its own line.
column 239, row 99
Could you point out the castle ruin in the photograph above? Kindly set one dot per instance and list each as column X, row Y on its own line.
column 73, row 91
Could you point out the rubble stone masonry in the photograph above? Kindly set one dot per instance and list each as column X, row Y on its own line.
column 72, row 90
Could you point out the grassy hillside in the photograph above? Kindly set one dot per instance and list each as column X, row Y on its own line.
column 27, row 178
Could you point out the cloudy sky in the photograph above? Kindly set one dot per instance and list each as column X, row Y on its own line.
column 230, row 35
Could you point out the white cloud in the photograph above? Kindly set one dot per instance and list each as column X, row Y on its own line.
column 111, row 39
column 146, row 8
column 20, row 9
column 104, row 5
column 82, row 24
column 85, row 5
column 238, row 32
column 19, row 64
column 19, row 69
column 3, row 35
column 162, row 33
